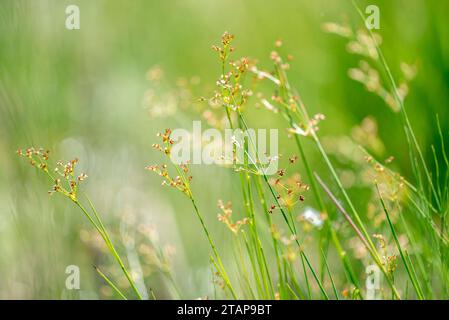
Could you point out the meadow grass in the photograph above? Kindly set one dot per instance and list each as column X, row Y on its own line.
column 273, row 258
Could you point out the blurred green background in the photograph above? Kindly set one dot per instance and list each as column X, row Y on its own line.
column 81, row 94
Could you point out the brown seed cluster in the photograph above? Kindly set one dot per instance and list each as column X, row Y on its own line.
column 180, row 181
column 226, row 47
column 226, row 217
column 66, row 182
column 230, row 92
column 38, row 157
column 290, row 189
column 388, row 260
column 166, row 142
column 172, row 181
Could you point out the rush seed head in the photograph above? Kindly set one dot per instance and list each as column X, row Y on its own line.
column 66, row 183
column 182, row 180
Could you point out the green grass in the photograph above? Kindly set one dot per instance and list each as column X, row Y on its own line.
column 263, row 249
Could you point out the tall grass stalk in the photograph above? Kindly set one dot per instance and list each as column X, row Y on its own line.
column 225, row 93
column 361, row 236
column 408, row 266
column 69, row 188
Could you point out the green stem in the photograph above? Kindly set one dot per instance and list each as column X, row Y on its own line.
column 104, row 234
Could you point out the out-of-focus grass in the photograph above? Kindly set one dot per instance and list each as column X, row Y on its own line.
column 80, row 93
